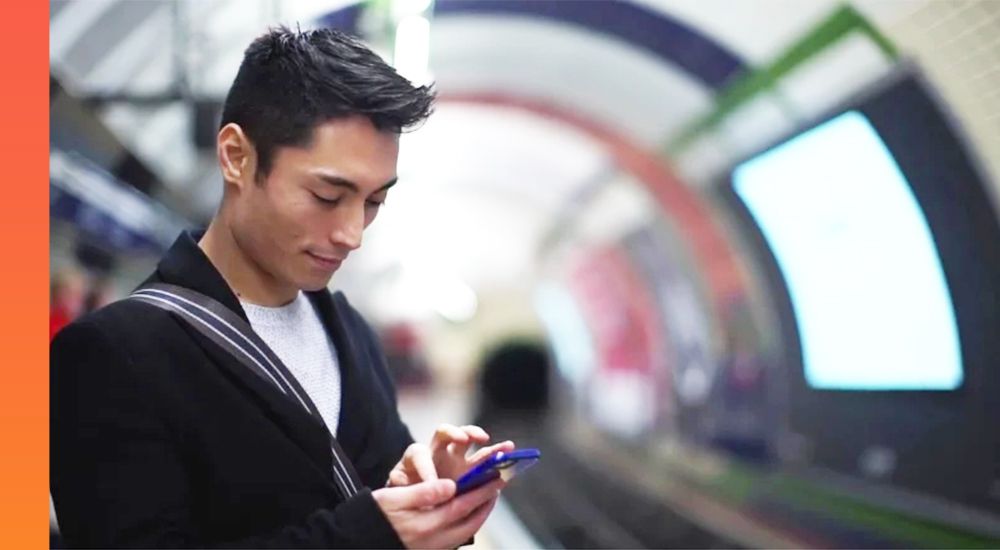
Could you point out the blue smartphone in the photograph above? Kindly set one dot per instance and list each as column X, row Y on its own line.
column 501, row 464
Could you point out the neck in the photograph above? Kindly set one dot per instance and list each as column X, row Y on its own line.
column 248, row 280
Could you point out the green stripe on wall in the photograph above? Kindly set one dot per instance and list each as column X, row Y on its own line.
column 836, row 26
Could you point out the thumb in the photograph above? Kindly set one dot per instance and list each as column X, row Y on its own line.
column 423, row 494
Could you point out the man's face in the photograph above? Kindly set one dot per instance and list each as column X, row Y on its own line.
column 308, row 214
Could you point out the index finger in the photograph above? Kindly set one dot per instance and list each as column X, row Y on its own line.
column 422, row 461
column 476, row 434
column 482, row 454
column 447, row 433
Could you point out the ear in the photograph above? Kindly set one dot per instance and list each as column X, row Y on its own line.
column 237, row 155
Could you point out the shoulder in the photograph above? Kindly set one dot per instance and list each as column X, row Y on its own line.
column 127, row 351
column 89, row 354
column 122, row 316
column 114, row 332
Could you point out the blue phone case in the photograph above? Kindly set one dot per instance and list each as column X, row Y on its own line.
column 500, row 464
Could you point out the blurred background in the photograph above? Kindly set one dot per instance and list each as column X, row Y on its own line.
column 733, row 266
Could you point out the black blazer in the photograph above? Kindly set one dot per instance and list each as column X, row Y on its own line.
column 159, row 438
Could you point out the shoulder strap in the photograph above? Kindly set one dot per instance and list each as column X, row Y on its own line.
column 233, row 334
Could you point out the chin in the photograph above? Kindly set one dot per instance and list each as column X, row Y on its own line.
column 313, row 285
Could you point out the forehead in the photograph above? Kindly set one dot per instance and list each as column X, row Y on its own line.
column 349, row 147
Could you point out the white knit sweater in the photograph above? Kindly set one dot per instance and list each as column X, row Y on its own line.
column 295, row 333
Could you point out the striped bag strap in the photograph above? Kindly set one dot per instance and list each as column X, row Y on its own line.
column 233, row 334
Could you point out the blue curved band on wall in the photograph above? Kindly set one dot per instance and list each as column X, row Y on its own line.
column 668, row 39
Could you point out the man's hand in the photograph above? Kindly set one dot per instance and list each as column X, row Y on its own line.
column 445, row 457
column 428, row 515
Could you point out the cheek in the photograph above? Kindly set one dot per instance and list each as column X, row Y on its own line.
column 275, row 221
column 288, row 212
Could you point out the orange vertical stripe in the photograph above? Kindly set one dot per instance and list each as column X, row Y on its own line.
column 24, row 460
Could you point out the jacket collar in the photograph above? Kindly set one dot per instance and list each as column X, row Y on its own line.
column 185, row 264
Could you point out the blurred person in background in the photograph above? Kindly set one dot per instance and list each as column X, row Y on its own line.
column 101, row 293
column 66, row 298
column 161, row 437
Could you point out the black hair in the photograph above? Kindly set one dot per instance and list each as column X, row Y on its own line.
column 291, row 81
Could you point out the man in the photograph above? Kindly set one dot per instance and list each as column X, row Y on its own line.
column 160, row 437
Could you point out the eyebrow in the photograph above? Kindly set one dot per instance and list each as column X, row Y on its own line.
column 344, row 182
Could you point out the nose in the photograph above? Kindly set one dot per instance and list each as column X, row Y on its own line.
column 348, row 229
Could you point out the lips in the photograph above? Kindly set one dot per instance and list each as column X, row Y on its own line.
column 328, row 262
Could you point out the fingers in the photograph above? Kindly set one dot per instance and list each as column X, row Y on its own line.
column 450, row 445
column 398, row 478
column 466, row 435
column 485, row 452
column 419, row 459
column 428, row 515
column 461, row 506
column 464, row 530
column 476, row 434
column 448, row 448
column 446, row 434
column 419, row 495
column 468, row 527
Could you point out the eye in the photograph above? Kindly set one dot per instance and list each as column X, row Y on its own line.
column 374, row 204
column 324, row 201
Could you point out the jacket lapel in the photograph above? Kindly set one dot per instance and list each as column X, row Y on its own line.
column 186, row 265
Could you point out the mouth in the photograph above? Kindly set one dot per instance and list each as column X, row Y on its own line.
column 326, row 262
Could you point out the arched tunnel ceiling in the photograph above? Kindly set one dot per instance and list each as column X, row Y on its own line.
column 640, row 69
column 643, row 27
column 644, row 68
column 626, row 89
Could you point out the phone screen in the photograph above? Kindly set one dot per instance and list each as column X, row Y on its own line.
column 505, row 465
